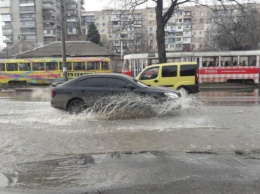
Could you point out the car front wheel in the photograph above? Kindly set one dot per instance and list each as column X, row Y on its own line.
column 76, row 106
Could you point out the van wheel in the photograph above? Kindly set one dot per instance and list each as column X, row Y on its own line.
column 183, row 91
column 76, row 106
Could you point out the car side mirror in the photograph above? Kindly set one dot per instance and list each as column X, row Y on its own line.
column 130, row 87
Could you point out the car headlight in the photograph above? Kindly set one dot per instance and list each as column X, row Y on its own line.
column 171, row 95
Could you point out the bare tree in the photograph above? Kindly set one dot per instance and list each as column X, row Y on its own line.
column 237, row 26
column 163, row 14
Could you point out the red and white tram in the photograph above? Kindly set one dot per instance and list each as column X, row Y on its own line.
column 218, row 66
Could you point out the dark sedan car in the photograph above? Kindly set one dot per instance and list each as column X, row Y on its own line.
column 85, row 91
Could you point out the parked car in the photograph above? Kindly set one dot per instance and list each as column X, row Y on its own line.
column 85, row 91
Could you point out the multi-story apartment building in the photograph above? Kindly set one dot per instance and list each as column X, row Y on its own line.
column 141, row 30
column 190, row 28
column 135, row 31
column 38, row 22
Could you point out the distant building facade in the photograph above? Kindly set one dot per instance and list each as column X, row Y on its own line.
column 38, row 22
column 191, row 28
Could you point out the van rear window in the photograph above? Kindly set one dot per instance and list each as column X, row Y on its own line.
column 188, row 70
column 169, row 71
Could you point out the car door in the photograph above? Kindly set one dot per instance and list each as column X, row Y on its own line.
column 150, row 76
column 116, row 86
column 167, row 76
column 91, row 90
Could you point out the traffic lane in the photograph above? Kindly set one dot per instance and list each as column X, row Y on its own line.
column 233, row 96
column 145, row 172
column 36, row 129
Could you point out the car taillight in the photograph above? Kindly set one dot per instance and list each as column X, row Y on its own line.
column 52, row 92
column 197, row 76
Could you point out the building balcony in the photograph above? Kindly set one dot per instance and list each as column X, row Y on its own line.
column 179, row 29
column 28, row 33
column 138, row 25
column 5, row 4
column 27, row 19
column 187, row 41
column 114, row 19
column 179, row 42
column 48, row 1
column 73, row 19
column 8, row 41
column 49, row 35
column 49, row 14
column 71, row 1
column 7, row 33
column 170, row 36
column 27, row 25
column 73, row 32
column 50, row 20
column 48, row 6
column 187, row 16
column 31, row 4
column 7, row 27
column 27, row 11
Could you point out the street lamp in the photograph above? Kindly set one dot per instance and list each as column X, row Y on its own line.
column 123, row 34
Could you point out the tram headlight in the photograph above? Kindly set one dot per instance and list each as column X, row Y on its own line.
column 171, row 95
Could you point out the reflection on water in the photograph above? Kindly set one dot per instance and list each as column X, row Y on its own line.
column 231, row 96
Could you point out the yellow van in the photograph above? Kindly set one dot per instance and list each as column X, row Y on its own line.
column 181, row 76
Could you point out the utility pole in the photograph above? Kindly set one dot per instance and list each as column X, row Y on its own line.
column 64, row 61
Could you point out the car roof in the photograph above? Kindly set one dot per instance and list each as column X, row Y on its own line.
column 117, row 75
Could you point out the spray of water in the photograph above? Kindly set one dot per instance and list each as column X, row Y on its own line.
column 124, row 106
column 133, row 106
column 41, row 94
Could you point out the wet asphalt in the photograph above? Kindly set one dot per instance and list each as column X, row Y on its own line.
column 221, row 155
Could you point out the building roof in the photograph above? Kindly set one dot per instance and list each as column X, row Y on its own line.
column 73, row 49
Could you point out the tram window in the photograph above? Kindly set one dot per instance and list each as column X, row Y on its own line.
column 12, row 66
column 69, row 67
column 79, row 65
column 105, row 65
column 2, row 67
column 24, row 66
column 93, row 65
column 169, row 71
column 51, row 66
column 38, row 66
column 188, row 70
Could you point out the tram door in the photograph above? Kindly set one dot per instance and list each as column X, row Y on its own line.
column 138, row 66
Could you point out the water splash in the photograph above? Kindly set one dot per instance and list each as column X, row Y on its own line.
column 133, row 106
column 41, row 94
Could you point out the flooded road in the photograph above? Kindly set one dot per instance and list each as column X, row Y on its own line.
column 44, row 150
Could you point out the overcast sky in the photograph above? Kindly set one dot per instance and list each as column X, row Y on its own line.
column 95, row 5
